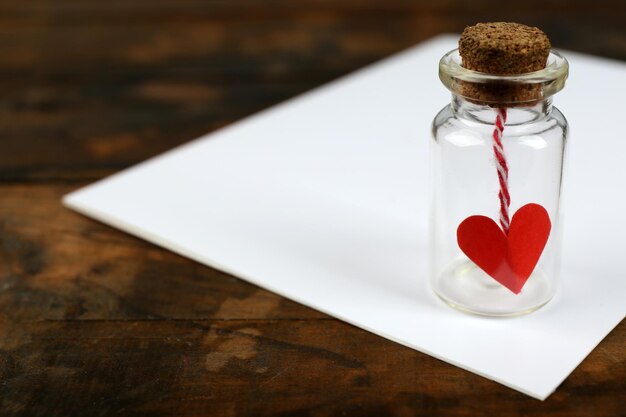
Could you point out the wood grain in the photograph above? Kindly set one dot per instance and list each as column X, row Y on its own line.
column 95, row 322
column 57, row 265
column 265, row 367
column 91, row 87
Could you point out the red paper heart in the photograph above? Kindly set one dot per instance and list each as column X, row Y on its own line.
column 508, row 259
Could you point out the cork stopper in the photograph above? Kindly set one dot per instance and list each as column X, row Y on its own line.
column 503, row 48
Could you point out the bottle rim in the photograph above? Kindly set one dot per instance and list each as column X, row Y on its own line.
column 545, row 82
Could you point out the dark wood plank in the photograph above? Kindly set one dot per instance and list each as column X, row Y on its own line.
column 93, row 87
column 76, row 130
column 58, row 265
column 259, row 368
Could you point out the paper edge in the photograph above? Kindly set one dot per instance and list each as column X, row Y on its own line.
column 68, row 201
column 215, row 134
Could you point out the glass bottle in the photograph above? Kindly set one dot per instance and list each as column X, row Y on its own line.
column 481, row 262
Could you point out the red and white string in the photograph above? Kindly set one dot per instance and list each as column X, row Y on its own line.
column 503, row 170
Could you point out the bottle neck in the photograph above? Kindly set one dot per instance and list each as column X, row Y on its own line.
column 464, row 109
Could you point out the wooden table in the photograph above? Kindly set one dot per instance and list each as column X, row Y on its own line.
column 94, row 322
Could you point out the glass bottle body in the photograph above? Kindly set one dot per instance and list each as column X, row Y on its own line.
column 466, row 183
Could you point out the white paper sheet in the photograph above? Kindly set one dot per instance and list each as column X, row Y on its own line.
column 324, row 200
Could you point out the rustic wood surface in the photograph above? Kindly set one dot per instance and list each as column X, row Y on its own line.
column 94, row 322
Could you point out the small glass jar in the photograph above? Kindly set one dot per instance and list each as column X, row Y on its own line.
column 470, row 259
